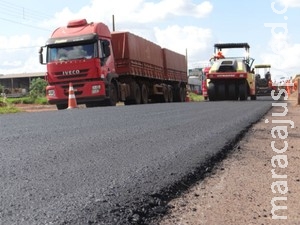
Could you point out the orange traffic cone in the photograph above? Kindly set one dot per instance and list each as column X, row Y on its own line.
column 187, row 98
column 72, row 104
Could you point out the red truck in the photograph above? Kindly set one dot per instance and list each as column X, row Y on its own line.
column 106, row 67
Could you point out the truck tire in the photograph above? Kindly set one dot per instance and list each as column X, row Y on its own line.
column 145, row 94
column 182, row 93
column 113, row 95
column 61, row 106
column 170, row 93
column 137, row 94
column 165, row 94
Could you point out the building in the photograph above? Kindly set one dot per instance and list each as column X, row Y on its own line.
column 18, row 84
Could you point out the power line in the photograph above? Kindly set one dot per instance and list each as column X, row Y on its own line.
column 19, row 48
column 27, row 25
column 17, row 14
column 20, row 11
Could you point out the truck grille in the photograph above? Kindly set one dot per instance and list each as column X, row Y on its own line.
column 61, row 75
column 77, row 89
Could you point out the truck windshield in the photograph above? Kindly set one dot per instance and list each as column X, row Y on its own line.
column 63, row 53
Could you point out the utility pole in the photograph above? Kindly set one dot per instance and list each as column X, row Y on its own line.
column 113, row 22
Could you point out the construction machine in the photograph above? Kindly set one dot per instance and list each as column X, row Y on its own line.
column 263, row 80
column 231, row 78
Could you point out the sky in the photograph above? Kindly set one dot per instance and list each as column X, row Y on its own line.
column 189, row 27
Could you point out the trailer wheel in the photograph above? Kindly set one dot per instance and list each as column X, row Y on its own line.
column 137, row 94
column 231, row 92
column 170, row 92
column 165, row 94
column 243, row 91
column 145, row 94
column 182, row 93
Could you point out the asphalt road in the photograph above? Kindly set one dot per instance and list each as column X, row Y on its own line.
column 109, row 165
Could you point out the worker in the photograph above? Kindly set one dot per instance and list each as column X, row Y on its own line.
column 220, row 55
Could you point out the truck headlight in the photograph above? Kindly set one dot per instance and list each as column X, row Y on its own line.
column 51, row 93
column 96, row 89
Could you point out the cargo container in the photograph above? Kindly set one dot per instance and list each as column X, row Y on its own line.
column 106, row 67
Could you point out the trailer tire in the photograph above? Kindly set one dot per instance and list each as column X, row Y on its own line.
column 182, row 94
column 145, row 94
column 165, row 94
column 137, row 94
column 170, row 92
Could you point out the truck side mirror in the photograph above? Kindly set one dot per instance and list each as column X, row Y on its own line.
column 106, row 48
column 41, row 56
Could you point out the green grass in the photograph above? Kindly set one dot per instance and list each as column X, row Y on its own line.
column 27, row 100
column 195, row 98
column 7, row 105
column 6, row 108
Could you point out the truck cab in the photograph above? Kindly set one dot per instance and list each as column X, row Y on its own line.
column 79, row 53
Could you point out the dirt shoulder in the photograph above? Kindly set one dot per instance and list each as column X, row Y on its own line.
column 35, row 107
column 239, row 190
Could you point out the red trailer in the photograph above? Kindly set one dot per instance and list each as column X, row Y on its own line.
column 106, row 67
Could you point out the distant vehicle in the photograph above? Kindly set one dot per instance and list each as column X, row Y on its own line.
column 264, row 84
column 195, row 80
column 231, row 78
column 106, row 67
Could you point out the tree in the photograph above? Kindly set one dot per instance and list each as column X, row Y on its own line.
column 37, row 88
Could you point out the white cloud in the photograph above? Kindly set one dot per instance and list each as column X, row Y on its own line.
column 284, row 56
column 290, row 3
column 195, row 40
column 153, row 20
column 137, row 12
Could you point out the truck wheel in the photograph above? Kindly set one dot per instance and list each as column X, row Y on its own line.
column 170, row 92
column 165, row 94
column 182, row 94
column 113, row 95
column 231, row 92
column 243, row 91
column 145, row 94
column 137, row 95
column 61, row 106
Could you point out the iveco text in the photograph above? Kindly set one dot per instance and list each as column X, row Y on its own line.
column 71, row 72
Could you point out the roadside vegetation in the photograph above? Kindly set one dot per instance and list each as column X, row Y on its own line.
column 36, row 95
column 195, row 97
